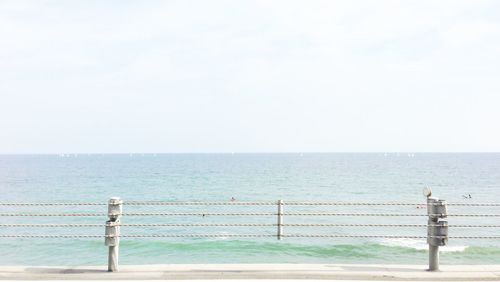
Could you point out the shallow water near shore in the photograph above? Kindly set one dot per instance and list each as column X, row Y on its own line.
column 376, row 177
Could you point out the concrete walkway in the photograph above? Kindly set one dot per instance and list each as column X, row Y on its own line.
column 257, row 271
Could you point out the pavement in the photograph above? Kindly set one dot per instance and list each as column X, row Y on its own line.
column 342, row 272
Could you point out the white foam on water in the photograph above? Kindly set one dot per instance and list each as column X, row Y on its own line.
column 420, row 245
column 451, row 249
column 407, row 243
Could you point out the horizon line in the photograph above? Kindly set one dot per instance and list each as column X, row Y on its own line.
column 256, row 152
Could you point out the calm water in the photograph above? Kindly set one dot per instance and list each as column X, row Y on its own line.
column 246, row 177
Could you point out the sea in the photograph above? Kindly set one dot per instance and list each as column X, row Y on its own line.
column 261, row 177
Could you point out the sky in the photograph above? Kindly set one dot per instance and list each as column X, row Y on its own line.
column 249, row 76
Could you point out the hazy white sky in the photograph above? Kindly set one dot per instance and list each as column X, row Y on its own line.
column 249, row 76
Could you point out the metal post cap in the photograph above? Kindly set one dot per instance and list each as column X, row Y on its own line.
column 114, row 200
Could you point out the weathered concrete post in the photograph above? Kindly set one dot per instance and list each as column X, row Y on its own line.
column 112, row 239
column 437, row 229
column 280, row 219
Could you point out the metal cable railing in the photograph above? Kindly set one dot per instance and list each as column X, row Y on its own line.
column 247, row 225
column 241, row 235
column 237, row 214
column 53, row 204
column 237, row 203
column 436, row 211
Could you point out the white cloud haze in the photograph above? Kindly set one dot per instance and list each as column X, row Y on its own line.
column 249, row 76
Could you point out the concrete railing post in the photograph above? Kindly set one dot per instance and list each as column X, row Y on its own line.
column 280, row 219
column 437, row 229
column 112, row 239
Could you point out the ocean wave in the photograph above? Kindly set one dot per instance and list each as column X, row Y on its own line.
column 420, row 245
column 249, row 251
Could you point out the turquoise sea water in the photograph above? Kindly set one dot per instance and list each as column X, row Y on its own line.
column 376, row 177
